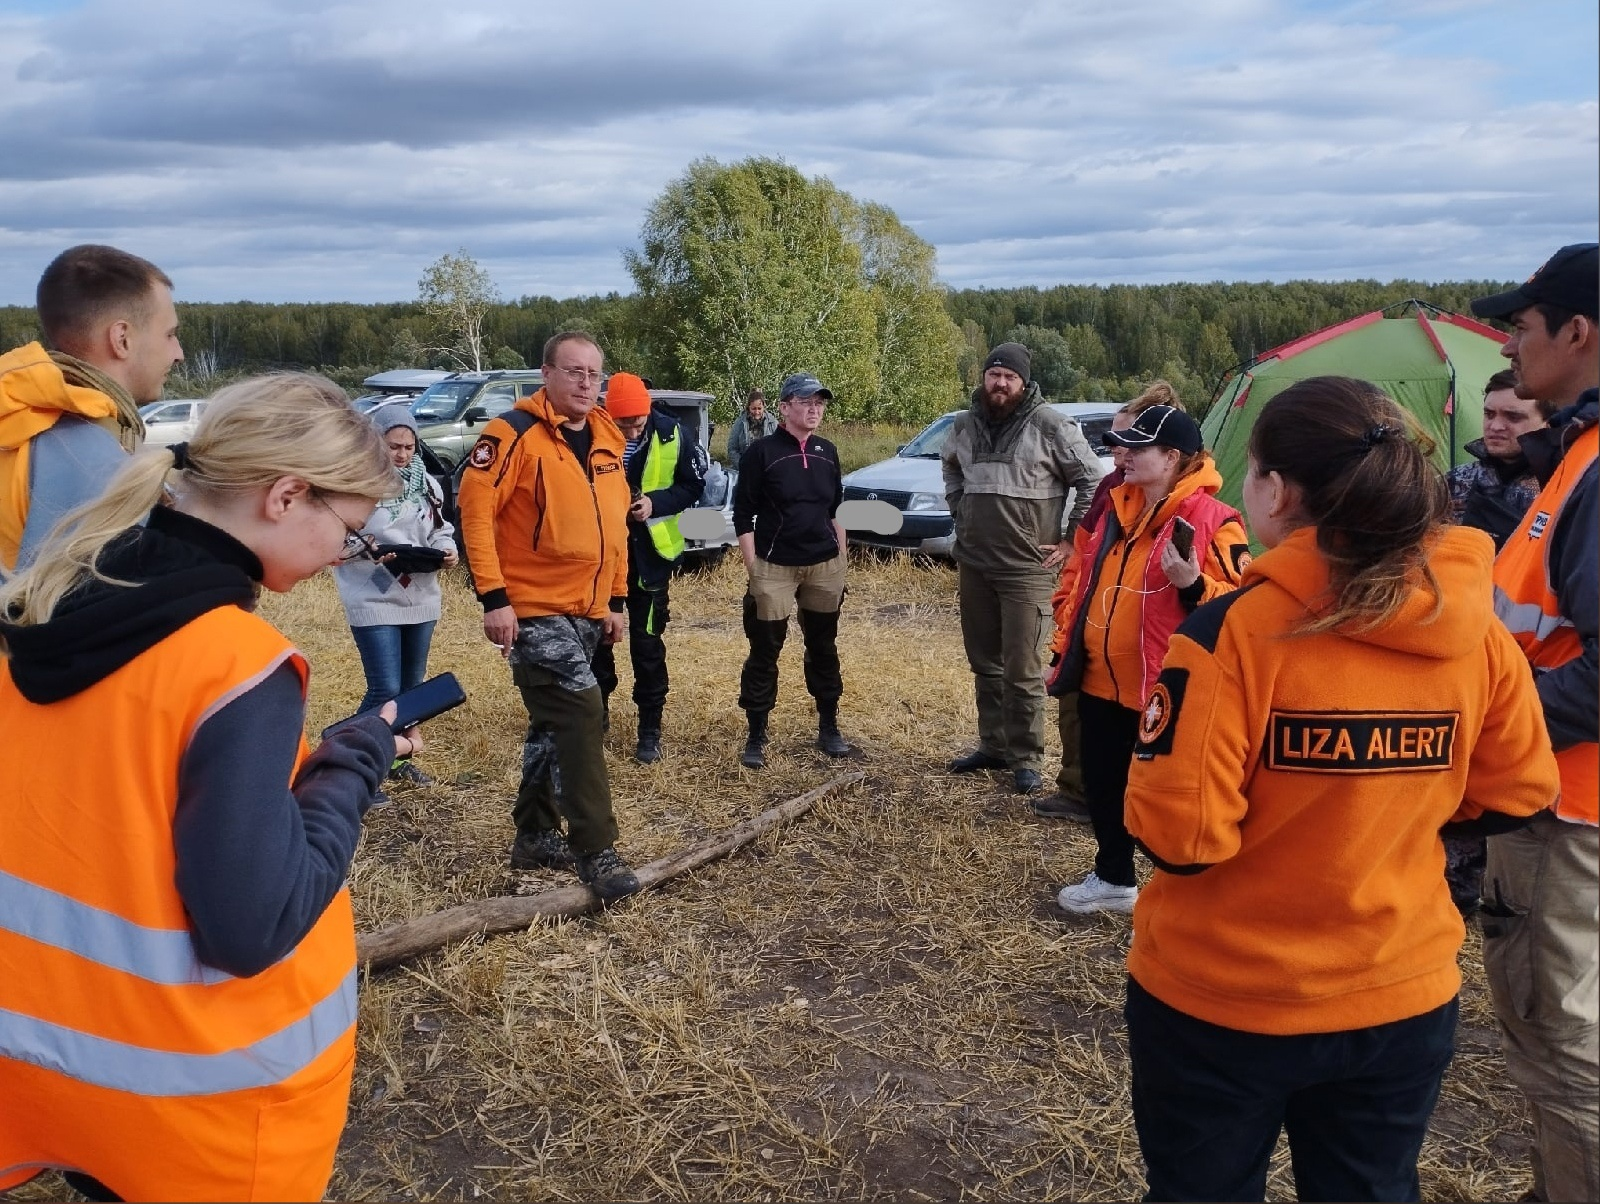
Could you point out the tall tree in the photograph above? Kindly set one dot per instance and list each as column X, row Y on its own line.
column 458, row 295
column 750, row 271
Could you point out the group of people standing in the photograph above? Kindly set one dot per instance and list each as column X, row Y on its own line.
column 1284, row 739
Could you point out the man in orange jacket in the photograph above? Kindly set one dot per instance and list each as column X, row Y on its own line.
column 544, row 504
column 69, row 406
column 1542, row 883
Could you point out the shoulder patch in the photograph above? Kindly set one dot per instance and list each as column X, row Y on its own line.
column 1204, row 626
column 1160, row 713
column 1361, row 741
column 484, row 452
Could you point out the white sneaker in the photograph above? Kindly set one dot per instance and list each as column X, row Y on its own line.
column 1093, row 895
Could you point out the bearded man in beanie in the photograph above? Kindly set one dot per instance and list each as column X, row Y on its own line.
column 1009, row 465
column 69, row 406
column 665, row 480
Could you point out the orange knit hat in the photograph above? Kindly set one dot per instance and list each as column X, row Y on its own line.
column 626, row 396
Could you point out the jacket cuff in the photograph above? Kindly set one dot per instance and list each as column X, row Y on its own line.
column 494, row 600
column 1191, row 594
column 618, row 603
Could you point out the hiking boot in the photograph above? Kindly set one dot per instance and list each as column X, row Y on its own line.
column 1027, row 781
column 972, row 762
column 607, row 875
column 832, row 742
column 1094, row 894
column 754, row 755
column 405, row 771
column 545, row 850
column 648, row 750
column 1061, row 806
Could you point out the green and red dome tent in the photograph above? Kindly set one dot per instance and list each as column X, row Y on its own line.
column 1433, row 362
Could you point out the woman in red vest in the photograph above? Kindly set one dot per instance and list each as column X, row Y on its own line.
column 1133, row 588
column 177, row 954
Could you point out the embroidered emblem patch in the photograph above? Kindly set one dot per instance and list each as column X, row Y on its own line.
column 1361, row 741
column 484, row 451
column 1160, row 713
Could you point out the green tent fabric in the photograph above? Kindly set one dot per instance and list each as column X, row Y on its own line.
column 1433, row 362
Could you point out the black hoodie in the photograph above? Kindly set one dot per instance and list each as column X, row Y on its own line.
column 258, row 858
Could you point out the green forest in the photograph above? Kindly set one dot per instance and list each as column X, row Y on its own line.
column 1090, row 342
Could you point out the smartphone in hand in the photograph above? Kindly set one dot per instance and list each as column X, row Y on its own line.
column 420, row 703
column 1182, row 537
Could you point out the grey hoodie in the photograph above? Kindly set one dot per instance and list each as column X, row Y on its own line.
column 1007, row 482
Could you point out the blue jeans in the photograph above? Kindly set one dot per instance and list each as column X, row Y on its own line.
column 394, row 657
column 1208, row 1103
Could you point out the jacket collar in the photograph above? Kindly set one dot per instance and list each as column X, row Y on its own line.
column 1545, row 447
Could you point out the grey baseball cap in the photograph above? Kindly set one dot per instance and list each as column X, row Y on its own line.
column 802, row 385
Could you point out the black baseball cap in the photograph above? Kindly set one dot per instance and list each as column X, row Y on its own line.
column 1569, row 279
column 803, row 385
column 1160, row 426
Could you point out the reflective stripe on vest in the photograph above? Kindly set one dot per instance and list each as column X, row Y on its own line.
column 659, row 470
column 160, row 955
column 1526, row 602
column 102, row 1062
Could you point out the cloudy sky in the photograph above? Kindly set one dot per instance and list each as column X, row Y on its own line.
column 330, row 149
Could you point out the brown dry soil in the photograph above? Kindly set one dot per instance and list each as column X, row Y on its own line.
column 879, row 1000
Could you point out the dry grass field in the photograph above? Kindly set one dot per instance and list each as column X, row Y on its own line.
column 880, row 1000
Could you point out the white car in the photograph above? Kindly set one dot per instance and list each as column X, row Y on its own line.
column 913, row 483
column 169, row 422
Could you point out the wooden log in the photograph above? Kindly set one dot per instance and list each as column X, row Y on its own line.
column 510, row 913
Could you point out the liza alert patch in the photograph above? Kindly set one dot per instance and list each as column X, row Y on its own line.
column 1159, row 714
column 484, row 452
column 1361, row 741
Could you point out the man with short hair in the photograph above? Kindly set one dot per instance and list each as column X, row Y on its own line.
column 1009, row 463
column 662, row 466
column 544, row 505
column 1542, row 885
column 1494, row 491
column 784, row 508
column 69, row 406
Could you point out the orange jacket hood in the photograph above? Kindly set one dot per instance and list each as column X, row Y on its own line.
column 1460, row 558
column 33, row 394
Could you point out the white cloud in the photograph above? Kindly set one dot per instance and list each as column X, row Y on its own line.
column 279, row 150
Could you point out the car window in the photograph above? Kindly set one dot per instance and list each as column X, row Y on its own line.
column 497, row 399
column 930, row 442
column 440, row 402
column 1094, row 430
column 529, row 387
column 167, row 413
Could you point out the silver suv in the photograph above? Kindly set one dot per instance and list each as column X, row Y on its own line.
column 450, row 413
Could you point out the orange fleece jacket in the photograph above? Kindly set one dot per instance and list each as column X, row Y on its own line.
column 544, row 533
column 1292, row 788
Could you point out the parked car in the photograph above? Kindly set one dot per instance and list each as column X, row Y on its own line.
column 169, row 422
column 912, row 482
column 398, row 384
column 451, row 412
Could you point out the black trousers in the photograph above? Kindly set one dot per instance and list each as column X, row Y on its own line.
column 1208, row 1103
column 1107, row 734
column 758, row 682
column 648, row 615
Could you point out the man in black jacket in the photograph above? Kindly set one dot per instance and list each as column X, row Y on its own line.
column 794, row 550
column 663, row 471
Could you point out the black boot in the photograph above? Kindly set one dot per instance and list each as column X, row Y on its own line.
column 648, row 750
column 754, row 755
column 829, row 739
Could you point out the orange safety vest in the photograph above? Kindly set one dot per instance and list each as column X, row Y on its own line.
column 1525, row 599
column 122, row 1055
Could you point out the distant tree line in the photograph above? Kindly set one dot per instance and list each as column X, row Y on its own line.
column 1090, row 342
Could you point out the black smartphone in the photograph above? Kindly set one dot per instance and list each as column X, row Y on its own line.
column 421, row 703
column 1182, row 537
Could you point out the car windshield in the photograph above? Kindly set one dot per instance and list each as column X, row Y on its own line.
column 440, row 402
column 928, row 444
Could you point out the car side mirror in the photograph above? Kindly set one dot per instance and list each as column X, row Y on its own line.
column 475, row 415
column 899, row 449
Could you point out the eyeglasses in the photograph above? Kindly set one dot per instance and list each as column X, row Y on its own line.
column 356, row 545
column 579, row 376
